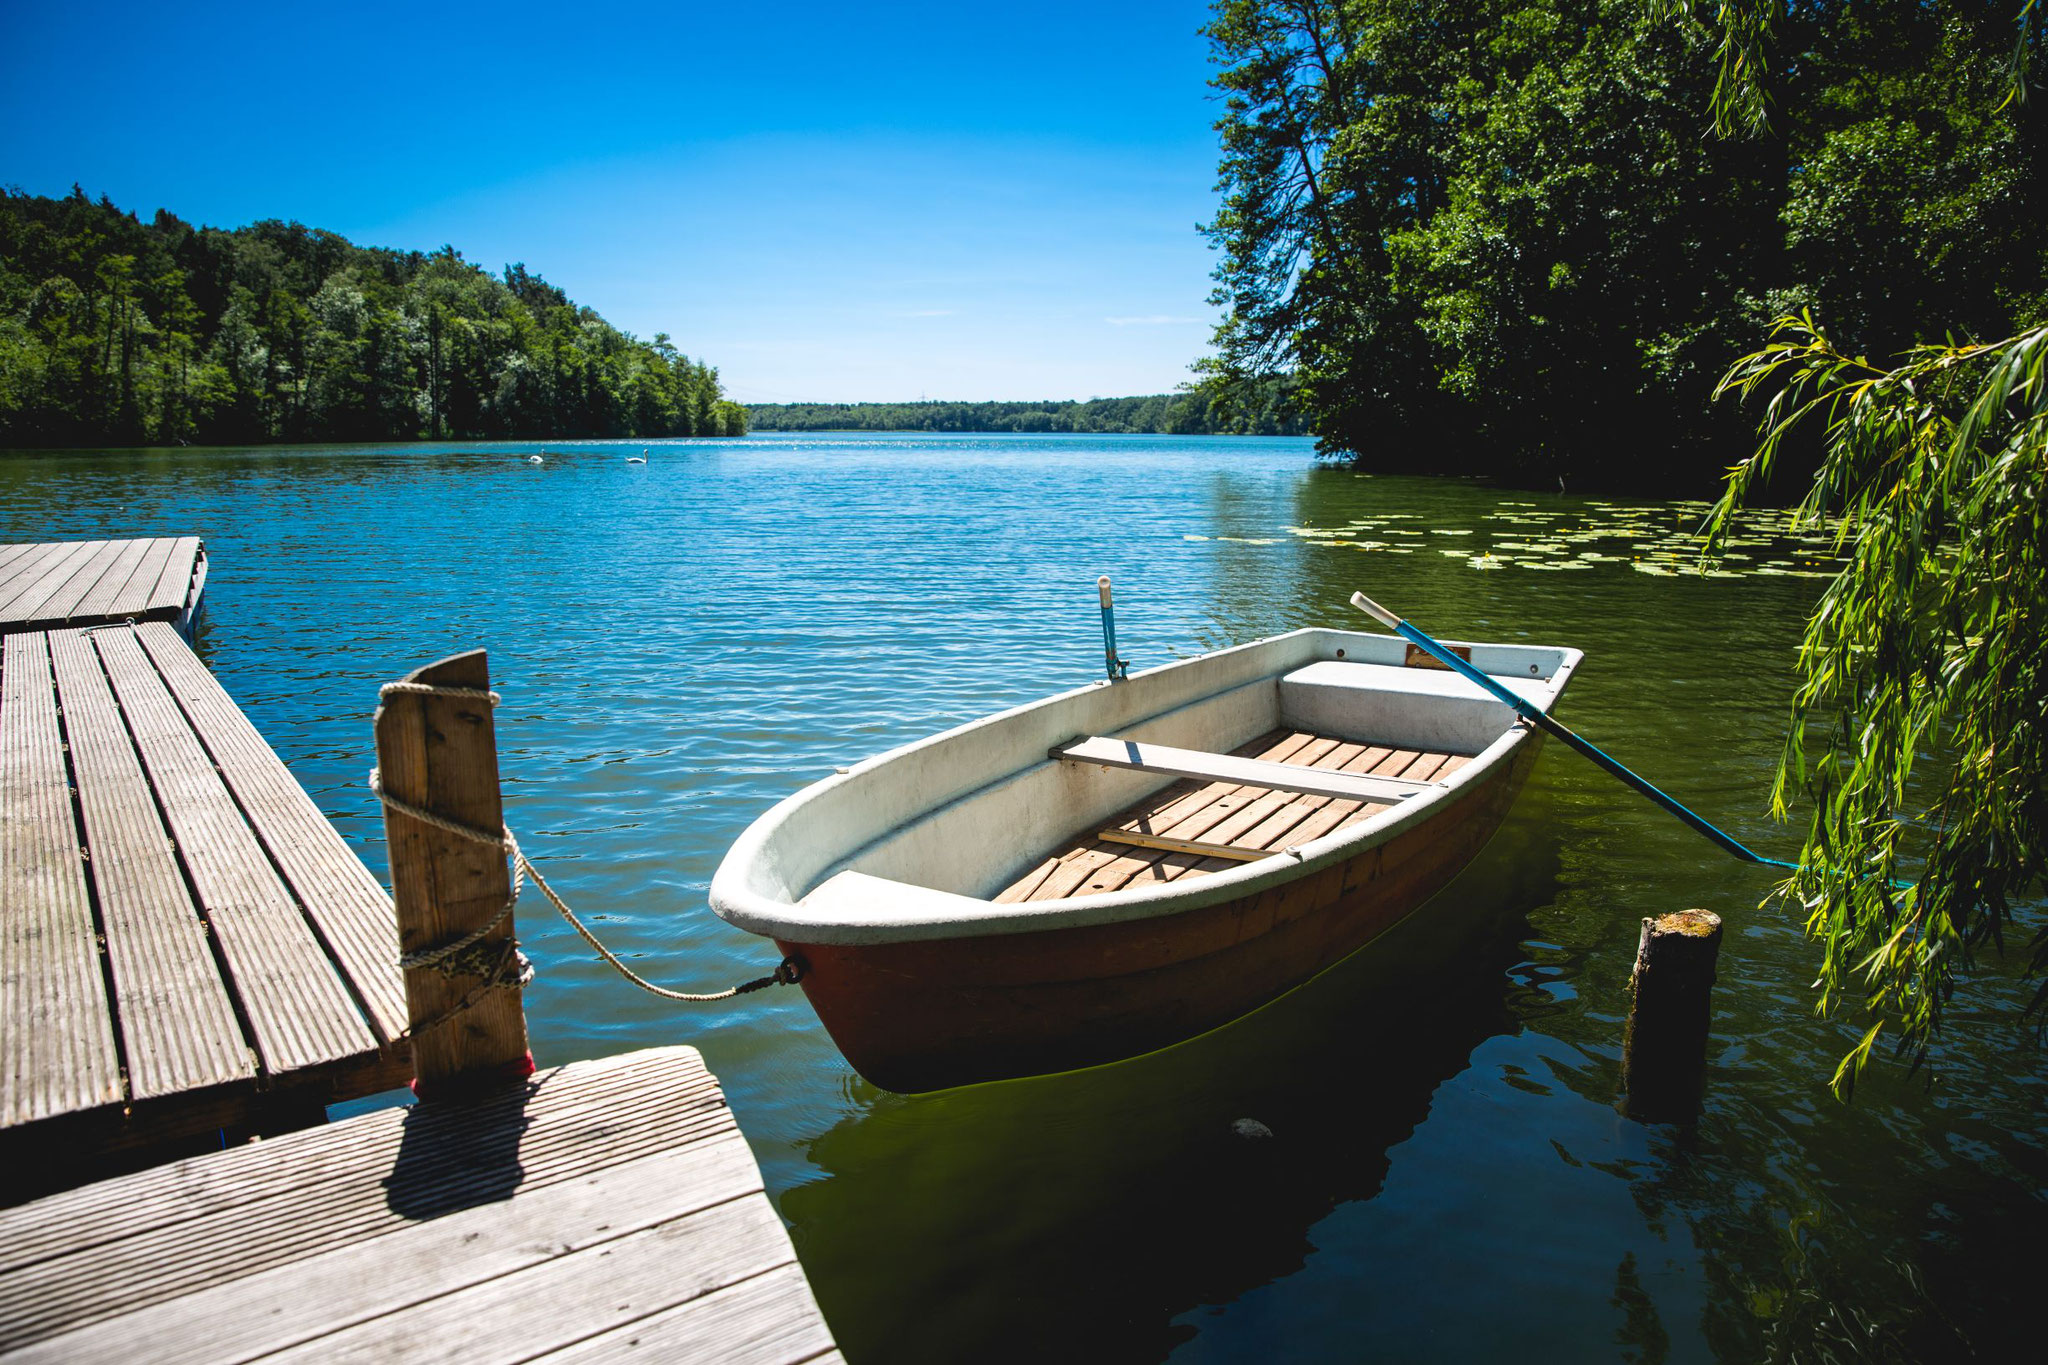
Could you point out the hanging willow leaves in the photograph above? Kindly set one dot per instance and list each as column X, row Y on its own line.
column 1920, row 725
column 1741, row 35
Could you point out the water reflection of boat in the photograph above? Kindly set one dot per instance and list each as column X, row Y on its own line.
column 1130, row 864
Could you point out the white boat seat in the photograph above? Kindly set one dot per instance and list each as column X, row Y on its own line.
column 1409, row 707
column 1247, row 772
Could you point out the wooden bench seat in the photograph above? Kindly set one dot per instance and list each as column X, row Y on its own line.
column 1233, row 768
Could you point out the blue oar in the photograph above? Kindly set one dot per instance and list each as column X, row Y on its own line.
column 1537, row 716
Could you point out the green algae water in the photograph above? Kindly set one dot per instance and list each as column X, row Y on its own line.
column 1437, row 1170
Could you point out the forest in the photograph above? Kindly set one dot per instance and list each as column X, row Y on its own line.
column 1262, row 408
column 1501, row 237
column 116, row 331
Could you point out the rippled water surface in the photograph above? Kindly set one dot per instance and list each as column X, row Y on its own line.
column 681, row 643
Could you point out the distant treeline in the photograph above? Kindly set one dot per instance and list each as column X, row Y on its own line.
column 1264, row 410
column 117, row 331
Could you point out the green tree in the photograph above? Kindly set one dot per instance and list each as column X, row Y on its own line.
column 113, row 329
column 1490, row 238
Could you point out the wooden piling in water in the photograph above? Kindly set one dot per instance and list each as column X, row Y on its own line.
column 1663, row 1059
column 439, row 752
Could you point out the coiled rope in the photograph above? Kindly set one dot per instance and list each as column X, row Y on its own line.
column 509, row 968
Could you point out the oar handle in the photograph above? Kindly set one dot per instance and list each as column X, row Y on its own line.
column 1375, row 611
column 1523, row 706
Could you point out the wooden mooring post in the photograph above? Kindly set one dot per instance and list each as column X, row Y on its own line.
column 1663, row 1060
column 437, row 750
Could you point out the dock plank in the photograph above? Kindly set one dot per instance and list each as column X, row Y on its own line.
column 57, row 584
column 178, row 1026
column 351, row 911
column 98, row 605
column 57, row 1049
column 83, row 578
column 50, row 575
column 295, row 1001
column 771, row 1319
column 26, row 570
column 174, row 584
column 135, row 594
column 564, row 1299
column 351, row 1284
column 132, row 1228
column 603, row 1206
column 245, row 958
column 10, row 553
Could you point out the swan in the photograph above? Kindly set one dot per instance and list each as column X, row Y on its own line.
column 535, row 459
column 641, row 458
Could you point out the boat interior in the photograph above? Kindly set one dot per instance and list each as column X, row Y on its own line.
column 1116, row 799
column 1196, row 827
column 1224, row 778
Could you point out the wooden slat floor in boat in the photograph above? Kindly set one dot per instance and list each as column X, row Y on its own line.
column 1246, row 819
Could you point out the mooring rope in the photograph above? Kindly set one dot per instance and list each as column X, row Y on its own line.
column 438, row 956
column 418, row 689
column 786, row 972
column 462, row 957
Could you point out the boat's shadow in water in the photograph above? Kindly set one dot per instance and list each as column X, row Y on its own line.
column 1090, row 1215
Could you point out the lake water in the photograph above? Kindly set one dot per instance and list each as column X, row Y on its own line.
column 684, row 642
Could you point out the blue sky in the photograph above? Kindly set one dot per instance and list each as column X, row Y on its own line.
column 829, row 202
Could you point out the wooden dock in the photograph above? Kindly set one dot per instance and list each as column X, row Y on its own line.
column 186, row 944
column 601, row 1210
column 100, row 582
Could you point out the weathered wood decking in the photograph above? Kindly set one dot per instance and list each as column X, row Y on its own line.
column 186, row 943
column 603, row 1209
column 98, row 582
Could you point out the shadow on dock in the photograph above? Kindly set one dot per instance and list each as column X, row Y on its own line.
column 460, row 1156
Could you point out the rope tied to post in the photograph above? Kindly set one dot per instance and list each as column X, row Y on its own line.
column 510, row 968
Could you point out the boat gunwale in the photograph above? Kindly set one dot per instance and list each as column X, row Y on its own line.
column 949, row 915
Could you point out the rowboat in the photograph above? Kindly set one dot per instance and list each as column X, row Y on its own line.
column 1130, row 864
